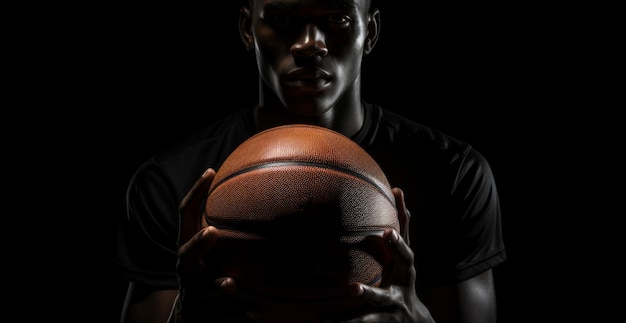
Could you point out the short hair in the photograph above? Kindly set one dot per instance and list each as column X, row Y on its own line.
column 369, row 3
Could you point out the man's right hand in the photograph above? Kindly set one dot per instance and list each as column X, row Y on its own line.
column 205, row 295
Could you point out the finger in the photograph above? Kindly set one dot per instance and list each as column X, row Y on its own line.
column 387, row 303
column 191, row 253
column 403, row 270
column 191, row 207
column 227, row 285
column 371, row 318
column 404, row 216
column 373, row 295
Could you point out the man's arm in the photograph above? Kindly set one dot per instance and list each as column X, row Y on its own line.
column 147, row 305
column 473, row 300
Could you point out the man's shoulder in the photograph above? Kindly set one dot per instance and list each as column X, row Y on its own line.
column 395, row 127
column 205, row 147
column 224, row 132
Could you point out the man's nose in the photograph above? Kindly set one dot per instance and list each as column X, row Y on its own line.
column 311, row 42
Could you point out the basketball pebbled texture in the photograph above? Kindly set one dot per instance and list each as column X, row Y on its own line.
column 301, row 210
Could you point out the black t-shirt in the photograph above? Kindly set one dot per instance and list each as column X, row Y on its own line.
column 455, row 226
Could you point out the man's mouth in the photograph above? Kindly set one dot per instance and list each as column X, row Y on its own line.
column 308, row 78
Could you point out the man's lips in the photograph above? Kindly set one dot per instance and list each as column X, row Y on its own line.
column 307, row 76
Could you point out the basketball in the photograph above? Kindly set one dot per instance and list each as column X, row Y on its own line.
column 301, row 210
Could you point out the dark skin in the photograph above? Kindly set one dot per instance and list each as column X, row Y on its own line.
column 309, row 58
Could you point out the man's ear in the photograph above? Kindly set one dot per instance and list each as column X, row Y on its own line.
column 373, row 30
column 245, row 27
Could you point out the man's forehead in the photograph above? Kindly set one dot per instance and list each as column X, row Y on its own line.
column 286, row 4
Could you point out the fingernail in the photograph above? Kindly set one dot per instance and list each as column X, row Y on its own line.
column 357, row 290
column 393, row 237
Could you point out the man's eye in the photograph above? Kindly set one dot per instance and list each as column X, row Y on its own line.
column 339, row 19
column 280, row 19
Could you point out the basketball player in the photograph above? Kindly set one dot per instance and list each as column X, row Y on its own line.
column 309, row 55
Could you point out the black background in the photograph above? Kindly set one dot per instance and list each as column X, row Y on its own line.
column 115, row 83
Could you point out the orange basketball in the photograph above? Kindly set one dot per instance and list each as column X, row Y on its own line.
column 301, row 210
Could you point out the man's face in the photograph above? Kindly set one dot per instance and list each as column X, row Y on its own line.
column 309, row 52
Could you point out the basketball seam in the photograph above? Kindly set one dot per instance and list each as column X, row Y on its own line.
column 338, row 234
column 376, row 184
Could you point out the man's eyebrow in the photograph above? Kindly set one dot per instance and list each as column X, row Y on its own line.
column 279, row 6
column 342, row 4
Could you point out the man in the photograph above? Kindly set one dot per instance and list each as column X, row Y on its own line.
column 309, row 55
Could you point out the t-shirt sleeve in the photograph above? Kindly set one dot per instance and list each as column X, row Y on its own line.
column 480, row 243
column 147, row 238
